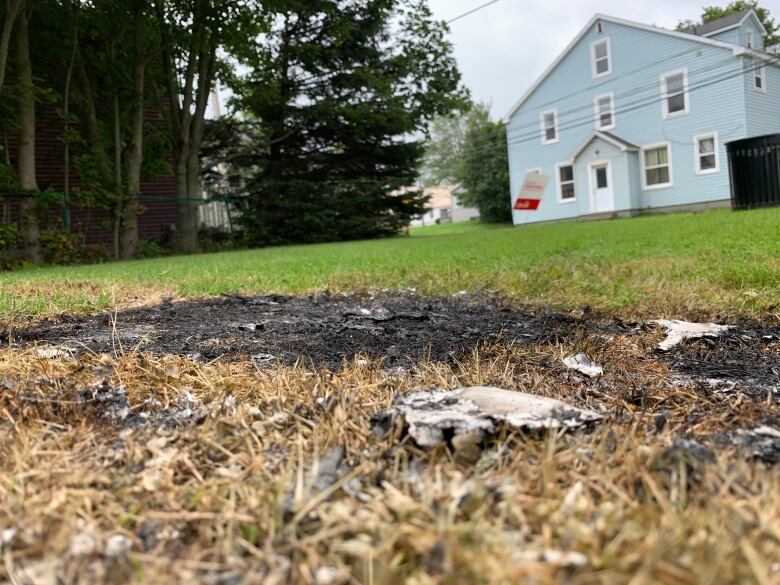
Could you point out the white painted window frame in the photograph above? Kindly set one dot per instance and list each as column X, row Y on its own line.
column 545, row 141
column 645, row 186
column 758, row 70
column 594, row 72
column 559, row 184
column 749, row 39
column 597, row 111
column 697, row 153
column 665, row 96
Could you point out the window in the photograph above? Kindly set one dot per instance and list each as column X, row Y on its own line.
column 605, row 111
column 549, row 120
column 674, row 89
column 749, row 39
column 565, row 177
column 759, row 75
column 599, row 27
column 707, row 160
column 601, row 60
column 657, row 166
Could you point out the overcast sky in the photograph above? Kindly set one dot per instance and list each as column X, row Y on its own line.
column 502, row 49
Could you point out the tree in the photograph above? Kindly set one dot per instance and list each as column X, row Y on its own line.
column 192, row 33
column 13, row 8
column 484, row 170
column 711, row 13
column 27, row 174
column 444, row 150
column 336, row 90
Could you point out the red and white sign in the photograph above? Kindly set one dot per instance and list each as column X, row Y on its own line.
column 531, row 192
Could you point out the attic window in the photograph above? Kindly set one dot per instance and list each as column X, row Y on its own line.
column 549, row 122
column 749, row 39
column 599, row 27
column 601, row 58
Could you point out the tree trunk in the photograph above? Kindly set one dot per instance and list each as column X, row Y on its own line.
column 13, row 8
column 117, row 210
column 27, row 175
column 129, row 237
column 200, row 62
column 66, row 116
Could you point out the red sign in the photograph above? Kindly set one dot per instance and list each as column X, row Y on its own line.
column 531, row 192
column 527, row 204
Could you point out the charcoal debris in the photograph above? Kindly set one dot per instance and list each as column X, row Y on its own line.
column 475, row 412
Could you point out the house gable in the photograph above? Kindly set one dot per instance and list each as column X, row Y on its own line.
column 601, row 18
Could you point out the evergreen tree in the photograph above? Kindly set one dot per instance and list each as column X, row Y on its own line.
column 338, row 91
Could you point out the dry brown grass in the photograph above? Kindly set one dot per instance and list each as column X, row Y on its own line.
column 206, row 503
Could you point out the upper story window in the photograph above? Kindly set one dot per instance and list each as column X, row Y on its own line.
column 759, row 75
column 601, row 58
column 549, row 123
column 749, row 39
column 604, row 106
column 674, row 91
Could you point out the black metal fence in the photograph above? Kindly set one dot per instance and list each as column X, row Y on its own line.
column 754, row 166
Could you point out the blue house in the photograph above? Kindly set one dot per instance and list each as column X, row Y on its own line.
column 632, row 117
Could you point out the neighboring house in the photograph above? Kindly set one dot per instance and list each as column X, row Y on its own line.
column 459, row 212
column 632, row 117
column 443, row 207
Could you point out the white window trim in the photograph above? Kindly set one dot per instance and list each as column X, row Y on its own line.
column 749, row 39
column 597, row 112
column 665, row 97
column 645, row 186
column 697, row 154
column 559, row 185
column 543, row 128
column 757, row 70
column 593, row 57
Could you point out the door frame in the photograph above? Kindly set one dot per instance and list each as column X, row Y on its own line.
column 591, row 185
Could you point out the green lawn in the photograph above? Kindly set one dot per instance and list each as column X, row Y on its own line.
column 685, row 264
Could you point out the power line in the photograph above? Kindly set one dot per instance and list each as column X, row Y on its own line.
column 472, row 11
column 708, row 82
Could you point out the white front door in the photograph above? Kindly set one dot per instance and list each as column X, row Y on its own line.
column 601, row 187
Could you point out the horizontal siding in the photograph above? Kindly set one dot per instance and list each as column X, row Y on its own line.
column 639, row 58
column 763, row 109
column 157, row 218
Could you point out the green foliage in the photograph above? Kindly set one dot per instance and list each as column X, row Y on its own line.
column 336, row 90
column 485, row 171
column 445, row 146
column 151, row 249
column 711, row 13
column 218, row 240
column 61, row 247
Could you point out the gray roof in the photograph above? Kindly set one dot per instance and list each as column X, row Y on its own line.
column 626, row 143
column 725, row 22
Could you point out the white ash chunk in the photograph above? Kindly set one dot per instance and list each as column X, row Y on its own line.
column 679, row 331
column 582, row 364
column 474, row 412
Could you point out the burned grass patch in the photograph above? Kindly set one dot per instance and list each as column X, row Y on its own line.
column 138, row 463
column 322, row 330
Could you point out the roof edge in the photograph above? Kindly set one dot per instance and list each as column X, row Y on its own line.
column 750, row 13
column 615, row 20
column 623, row 145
